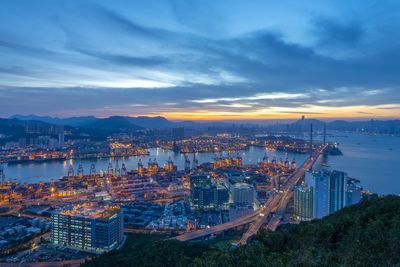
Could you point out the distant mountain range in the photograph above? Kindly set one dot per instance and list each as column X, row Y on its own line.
column 150, row 122
column 112, row 123
column 73, row 121
column 116, row 122
column 143, row 122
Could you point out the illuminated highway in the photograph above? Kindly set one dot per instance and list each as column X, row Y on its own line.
column 257, row 218
column 281, row 200
column 218, row 228
column 278, row 214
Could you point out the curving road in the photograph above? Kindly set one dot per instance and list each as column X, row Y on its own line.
column 281, row 200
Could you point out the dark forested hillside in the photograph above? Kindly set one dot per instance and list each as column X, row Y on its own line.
column 366, row 234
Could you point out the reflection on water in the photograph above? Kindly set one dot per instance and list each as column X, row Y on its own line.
column 373, row 160
column 35, row 172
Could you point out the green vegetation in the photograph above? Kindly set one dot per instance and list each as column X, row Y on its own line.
column 150, row 250
column 367, row 234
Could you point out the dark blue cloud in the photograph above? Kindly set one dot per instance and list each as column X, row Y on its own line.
column 332, row 33
column 85, row 53
column 25, row 49
column 121, row 59
column 15, row 71
column 123, row 24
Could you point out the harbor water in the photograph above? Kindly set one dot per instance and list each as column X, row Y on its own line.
column 374, row 160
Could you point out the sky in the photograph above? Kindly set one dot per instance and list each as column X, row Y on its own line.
column 201, row 59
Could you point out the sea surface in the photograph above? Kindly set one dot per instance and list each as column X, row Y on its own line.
column 374, row 160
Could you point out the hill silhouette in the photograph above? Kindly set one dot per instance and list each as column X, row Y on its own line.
column 113, row 123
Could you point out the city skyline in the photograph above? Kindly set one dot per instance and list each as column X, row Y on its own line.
column 200, row 60
column 199, row 133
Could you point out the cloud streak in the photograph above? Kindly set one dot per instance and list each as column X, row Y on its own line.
column 107, row 61
column 270, row 96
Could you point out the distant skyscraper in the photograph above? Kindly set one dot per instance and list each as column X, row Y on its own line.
column 318, row 182
column 61, row 141
column 337, row 190
column 327, row 191
column 221, row 195
column 201, row 194
column 243, row 194
column 303, row 203
column 206, row 194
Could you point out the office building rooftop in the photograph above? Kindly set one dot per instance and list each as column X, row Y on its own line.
column 88, row 210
